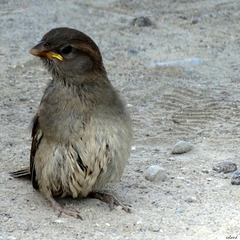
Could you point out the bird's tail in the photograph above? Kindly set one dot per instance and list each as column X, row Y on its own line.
column 21, row 173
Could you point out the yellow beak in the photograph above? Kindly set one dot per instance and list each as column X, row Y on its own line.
column 42, row 51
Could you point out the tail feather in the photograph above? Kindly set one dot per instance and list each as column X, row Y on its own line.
column 21, row 173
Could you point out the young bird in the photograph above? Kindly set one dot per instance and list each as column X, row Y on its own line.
column 81, row 134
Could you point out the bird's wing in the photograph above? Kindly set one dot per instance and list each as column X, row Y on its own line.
column 36, row 139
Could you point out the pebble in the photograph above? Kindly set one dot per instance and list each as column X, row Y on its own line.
column 132, row 52
column 60, row 220
column 204, row 170
column 235, row 178
column 190, row 199
column 129, row 105
column 179, row 210
column 154, row 227
column 182, row 147
column 155, row 173
column 196, row 20
column 141, row 22
column 225, row 166
column 139, row 220
column 133, row 148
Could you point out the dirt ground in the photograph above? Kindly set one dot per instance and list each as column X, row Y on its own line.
column 184, row 100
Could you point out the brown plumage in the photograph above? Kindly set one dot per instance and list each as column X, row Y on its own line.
column 81, row 134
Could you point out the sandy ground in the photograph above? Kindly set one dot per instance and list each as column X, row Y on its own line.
column 198, row 103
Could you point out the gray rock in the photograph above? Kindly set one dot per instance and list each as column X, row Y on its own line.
column 155, row 173
column 225, row 166
column 182, row 147
column 141, row 22
column 235, row 178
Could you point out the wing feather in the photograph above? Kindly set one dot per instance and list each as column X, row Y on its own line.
column 36, row 140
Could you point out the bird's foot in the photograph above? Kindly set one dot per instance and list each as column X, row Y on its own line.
column 110, row 199
column 59, row 210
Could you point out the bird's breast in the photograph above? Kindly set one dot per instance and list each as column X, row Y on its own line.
column 63, row 114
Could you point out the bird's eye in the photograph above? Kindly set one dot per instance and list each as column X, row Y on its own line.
column 67, row 49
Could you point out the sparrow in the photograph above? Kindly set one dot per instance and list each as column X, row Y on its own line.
column 81, row 133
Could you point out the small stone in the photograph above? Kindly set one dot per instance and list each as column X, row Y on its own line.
column 179, row 210
column 129, row 105
column 141, row 22
column 139, row 220
column 225, row 166
column 196, row 20
column 183, row 17
column 132, row 52
column 133, row 148
column 155, row 227
column 205, row 171
column 235, row 178
column 23, row 99
column 182, row 147
column 60, row 220
column 190, row 199
column 155, row 173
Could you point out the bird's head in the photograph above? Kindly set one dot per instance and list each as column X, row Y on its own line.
column 69, row 53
